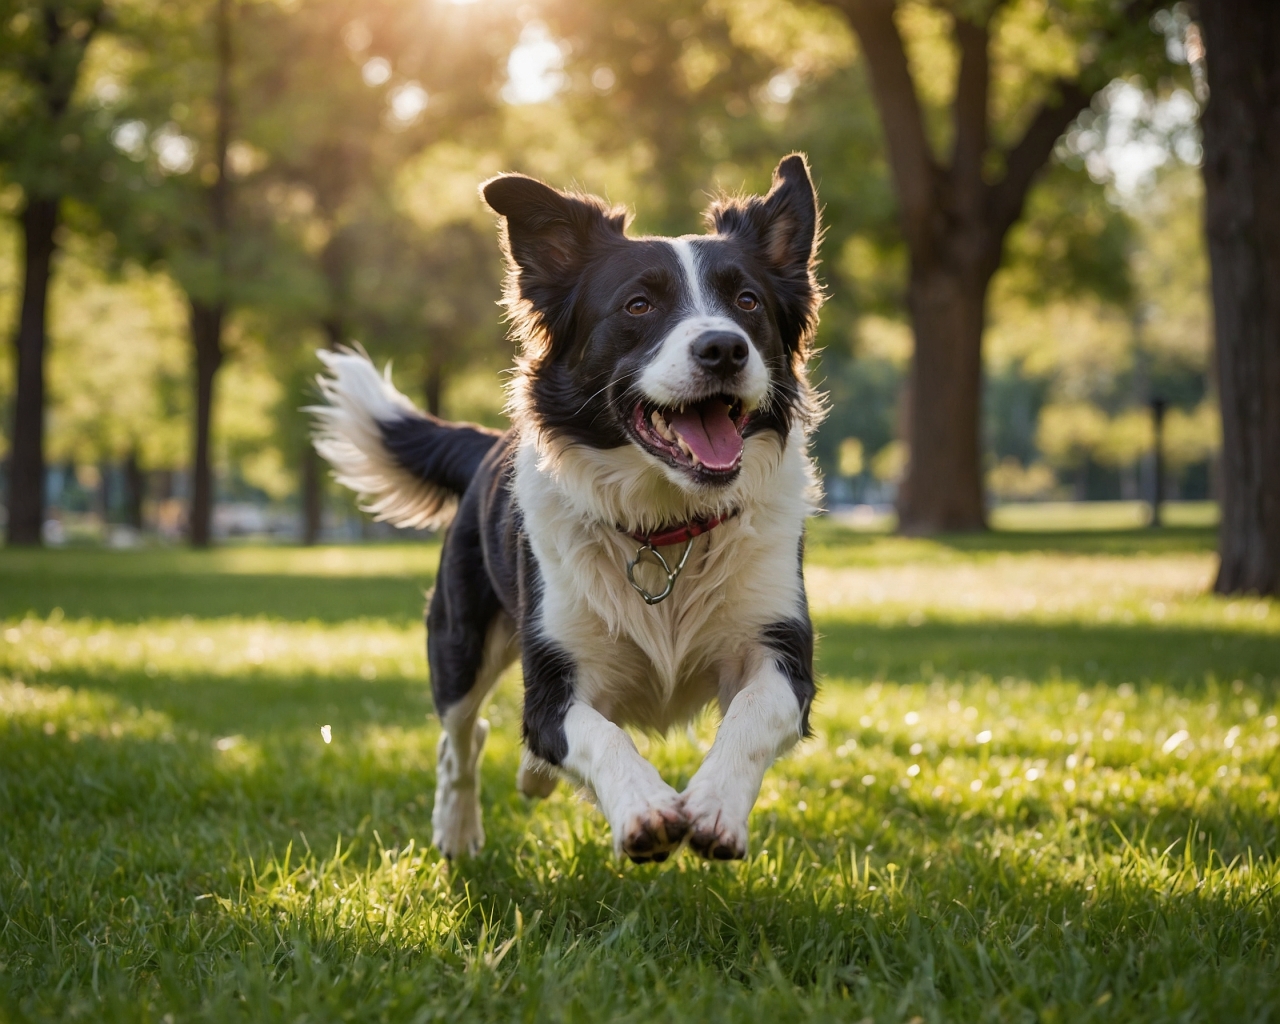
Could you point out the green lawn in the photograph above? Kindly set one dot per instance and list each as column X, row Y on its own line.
column 1043, row 787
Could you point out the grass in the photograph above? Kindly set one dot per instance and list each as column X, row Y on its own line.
column 1043, row 787
column 1100, row 515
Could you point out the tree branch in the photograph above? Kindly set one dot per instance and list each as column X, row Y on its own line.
column 970, row 113
column 914, row 169
column 1007, row 196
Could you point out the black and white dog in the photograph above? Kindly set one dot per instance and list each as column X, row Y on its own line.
column 635, row 537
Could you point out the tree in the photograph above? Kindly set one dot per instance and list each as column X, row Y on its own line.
column 427, row 296
column 209, row 307
column 42, row 128
column 956, row 214
column 665, row 86
column 1241, row 153
column 117, row 367
column 355, row 90
column 170, row 200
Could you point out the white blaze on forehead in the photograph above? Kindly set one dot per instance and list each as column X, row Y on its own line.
column 671, row 376
column 687, row 255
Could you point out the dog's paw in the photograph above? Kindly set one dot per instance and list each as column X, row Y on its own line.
column 654, row 832
column 457, row 828
column 536, row 779
column 714, row 832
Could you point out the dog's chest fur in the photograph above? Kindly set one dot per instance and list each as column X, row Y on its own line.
column 655, row 666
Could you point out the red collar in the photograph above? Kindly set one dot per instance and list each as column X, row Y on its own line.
column 682, row 533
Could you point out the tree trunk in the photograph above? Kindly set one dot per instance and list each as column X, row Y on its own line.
column 100, row 501
column 26, row 460
column 312, row 496
column 209, row 313
column 206, row 336
column 1158, row 406
column 312, row 481
column 1242, row 215
column 432, row 385
column 134, row 488
column 942, row 489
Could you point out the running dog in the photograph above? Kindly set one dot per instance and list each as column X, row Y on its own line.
column 635, row 538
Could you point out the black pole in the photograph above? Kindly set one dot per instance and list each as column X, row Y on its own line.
column 1158, row 406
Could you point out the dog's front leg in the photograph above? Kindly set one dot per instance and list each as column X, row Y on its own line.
column 644, row 813
column 764, row 719
column 565, row 668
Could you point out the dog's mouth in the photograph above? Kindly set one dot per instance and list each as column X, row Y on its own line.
column 702, row 438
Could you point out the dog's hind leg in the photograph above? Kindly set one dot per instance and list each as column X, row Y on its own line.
column 456, row 824
column 470, row 640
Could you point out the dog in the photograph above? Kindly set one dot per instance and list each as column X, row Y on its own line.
column 635, row 538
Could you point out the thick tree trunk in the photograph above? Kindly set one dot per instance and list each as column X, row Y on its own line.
column 206, row 337
column 39, row 221
column 1241, row 156
column 942, row 489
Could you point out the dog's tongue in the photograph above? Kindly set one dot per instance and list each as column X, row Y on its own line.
column 709, row 432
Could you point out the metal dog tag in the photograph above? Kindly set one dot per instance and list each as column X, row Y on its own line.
column 671, row 574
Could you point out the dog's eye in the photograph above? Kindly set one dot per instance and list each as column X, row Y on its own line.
column 747, row 301
column 639, row 306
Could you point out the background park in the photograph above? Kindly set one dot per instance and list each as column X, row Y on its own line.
column 1045, row 778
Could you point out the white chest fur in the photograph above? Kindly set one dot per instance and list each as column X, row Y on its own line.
column 655, row 666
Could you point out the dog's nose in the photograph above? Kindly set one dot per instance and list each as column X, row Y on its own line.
column 721, row 353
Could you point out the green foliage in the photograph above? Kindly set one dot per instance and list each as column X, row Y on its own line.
column 1012, row 809
column 1071, row 242
column 118, row 369
column 51, row 132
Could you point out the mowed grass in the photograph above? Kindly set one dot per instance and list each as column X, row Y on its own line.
column 1042, row 787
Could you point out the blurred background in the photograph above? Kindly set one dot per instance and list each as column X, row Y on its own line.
column 211, row 190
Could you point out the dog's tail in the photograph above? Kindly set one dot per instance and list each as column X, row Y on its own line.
column 407, row 466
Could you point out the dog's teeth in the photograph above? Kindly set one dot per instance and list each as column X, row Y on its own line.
column 684, row 447
column 660, row 425
column 693, row 457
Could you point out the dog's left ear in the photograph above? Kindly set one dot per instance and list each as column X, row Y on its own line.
column 785, row 224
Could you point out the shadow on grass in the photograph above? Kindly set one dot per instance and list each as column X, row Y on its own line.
column 828, row 540
column 258, row 706
column 135, row 586
column 137, row 598
column 1183, row 658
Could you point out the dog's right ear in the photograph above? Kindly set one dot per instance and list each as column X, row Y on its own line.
column 548, row 230
column 548, row 237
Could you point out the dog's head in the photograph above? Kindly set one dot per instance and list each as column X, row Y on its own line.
column 683, row 347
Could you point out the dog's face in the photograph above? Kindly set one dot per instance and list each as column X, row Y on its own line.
column 683, row 347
